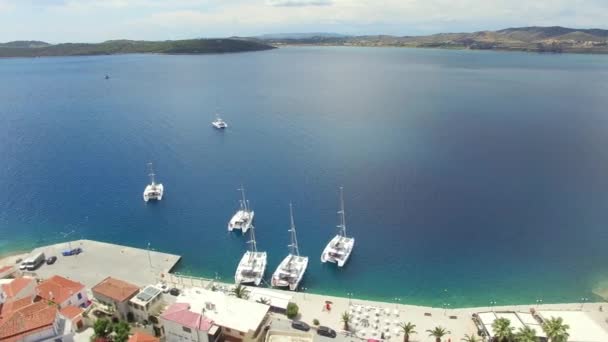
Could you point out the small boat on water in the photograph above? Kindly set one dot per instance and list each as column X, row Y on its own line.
column 107, row 77
column 338, row 250
column 243, row 218
column 252, row 266
column 219, row 123
column 153, row 191
column 292, row 268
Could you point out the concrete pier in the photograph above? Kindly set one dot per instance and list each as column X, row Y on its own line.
column 99, row 260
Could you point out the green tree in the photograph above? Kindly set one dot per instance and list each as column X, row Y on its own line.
column 346, row 318
column 316, row 322
column 102, row 327
column 470, row 338
column 292, row 310
column 526, row 334
column 438, row 333
column 556, row 330
column 503, row 331
column 407, row 329
column 240, row 291
column 122, row 330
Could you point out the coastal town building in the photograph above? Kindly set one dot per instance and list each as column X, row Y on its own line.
column 115, row 294
column 62, row 291
column 31, row 321
column 288, row 336
column 204, row 316
column 146, row 303
column 6, row 271
column 15, row 289
column 74, row 315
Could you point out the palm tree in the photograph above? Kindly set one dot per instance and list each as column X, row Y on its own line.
column 556, row 330
column 240, row 291
column 503, row 331
column 438, row 333
column 263, row 300
column 526, row 334
column 470, row 338
column 346, row 319
column 408, row 329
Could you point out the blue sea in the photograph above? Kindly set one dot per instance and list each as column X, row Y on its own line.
column 469, row 176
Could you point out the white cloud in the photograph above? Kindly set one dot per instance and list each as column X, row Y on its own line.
column 298, row 3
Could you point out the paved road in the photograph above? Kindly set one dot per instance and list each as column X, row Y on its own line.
column 284, row 324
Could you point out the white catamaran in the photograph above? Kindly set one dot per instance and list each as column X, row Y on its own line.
column 219, row 123
column 243, row 218
column 153, row 191
column 339, row 248
column 253, row 264
column 292, row 268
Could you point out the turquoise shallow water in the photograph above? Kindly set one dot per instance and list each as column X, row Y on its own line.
column 480, row 173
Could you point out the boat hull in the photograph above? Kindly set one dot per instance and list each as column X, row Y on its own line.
column 284, row 277
column 251, row 268
column 338, row 250
column 241, row 220
column 153, row 192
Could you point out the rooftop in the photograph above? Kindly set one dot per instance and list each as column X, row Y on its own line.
column 71, row 311
column 142, row 337
column 277, row 299
column 146, row 295
column 58, row 289
column 226, row 311
column 115, row 289
column 288, row 336
column 14, row 287
column 181, row 313
column 27, row 320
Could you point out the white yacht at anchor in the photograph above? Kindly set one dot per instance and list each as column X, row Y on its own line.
column 243, row 218
column 153, row 191
column 252, row 266
column 292, row 268
column 219, row 123
column 338, row 250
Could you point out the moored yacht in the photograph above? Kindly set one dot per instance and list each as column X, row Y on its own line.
column 243, row 218
column 252, row 266
column 219, row 123
column 153, row 191
column 338, row 250
column 292, row 268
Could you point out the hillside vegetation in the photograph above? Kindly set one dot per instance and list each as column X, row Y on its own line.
column 535, row 39
column 191, row 46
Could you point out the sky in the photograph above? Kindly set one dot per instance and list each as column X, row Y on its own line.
column 57, row 21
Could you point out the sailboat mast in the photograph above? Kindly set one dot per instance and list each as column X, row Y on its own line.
column 254, row 247
column 151, row 174
column 342, row 214
column 245, row 204
column 294, row 238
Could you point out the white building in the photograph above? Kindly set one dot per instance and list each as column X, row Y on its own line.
column 146, row 303
column 64, row 292
column 204, row 316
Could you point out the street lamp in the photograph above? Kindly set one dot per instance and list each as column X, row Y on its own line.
column 445, row 308
column 65, row 235
column 583, row 300
column 304, row 289
column 397, row 302
column 149, row 257
column 350, row 296
column 492, row 303
column 539, row 302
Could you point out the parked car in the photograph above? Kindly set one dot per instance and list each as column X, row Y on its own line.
column 326, row 331
column 74, row 251
column 174, row 291
column 299, row 325
column 51, row 260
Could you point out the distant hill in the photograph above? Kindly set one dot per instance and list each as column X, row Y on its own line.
column 24, row 44
column 309, row 35
column 534, row 39
column 191, row 46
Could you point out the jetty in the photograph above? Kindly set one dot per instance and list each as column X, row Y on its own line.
column 99, row 260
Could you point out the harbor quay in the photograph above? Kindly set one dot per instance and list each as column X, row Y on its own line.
column 370, row 320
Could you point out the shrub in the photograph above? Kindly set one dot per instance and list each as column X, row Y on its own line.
column 315, row 321
column 292, row 310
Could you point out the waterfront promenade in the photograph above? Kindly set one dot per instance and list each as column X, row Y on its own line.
column 143, row 267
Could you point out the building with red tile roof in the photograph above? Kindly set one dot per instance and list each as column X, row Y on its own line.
column 6, row 271
column 63, row 291
column 115, row 293
column 17, row 288
column 142, row 337
column 35, row 321
column 74, row 314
